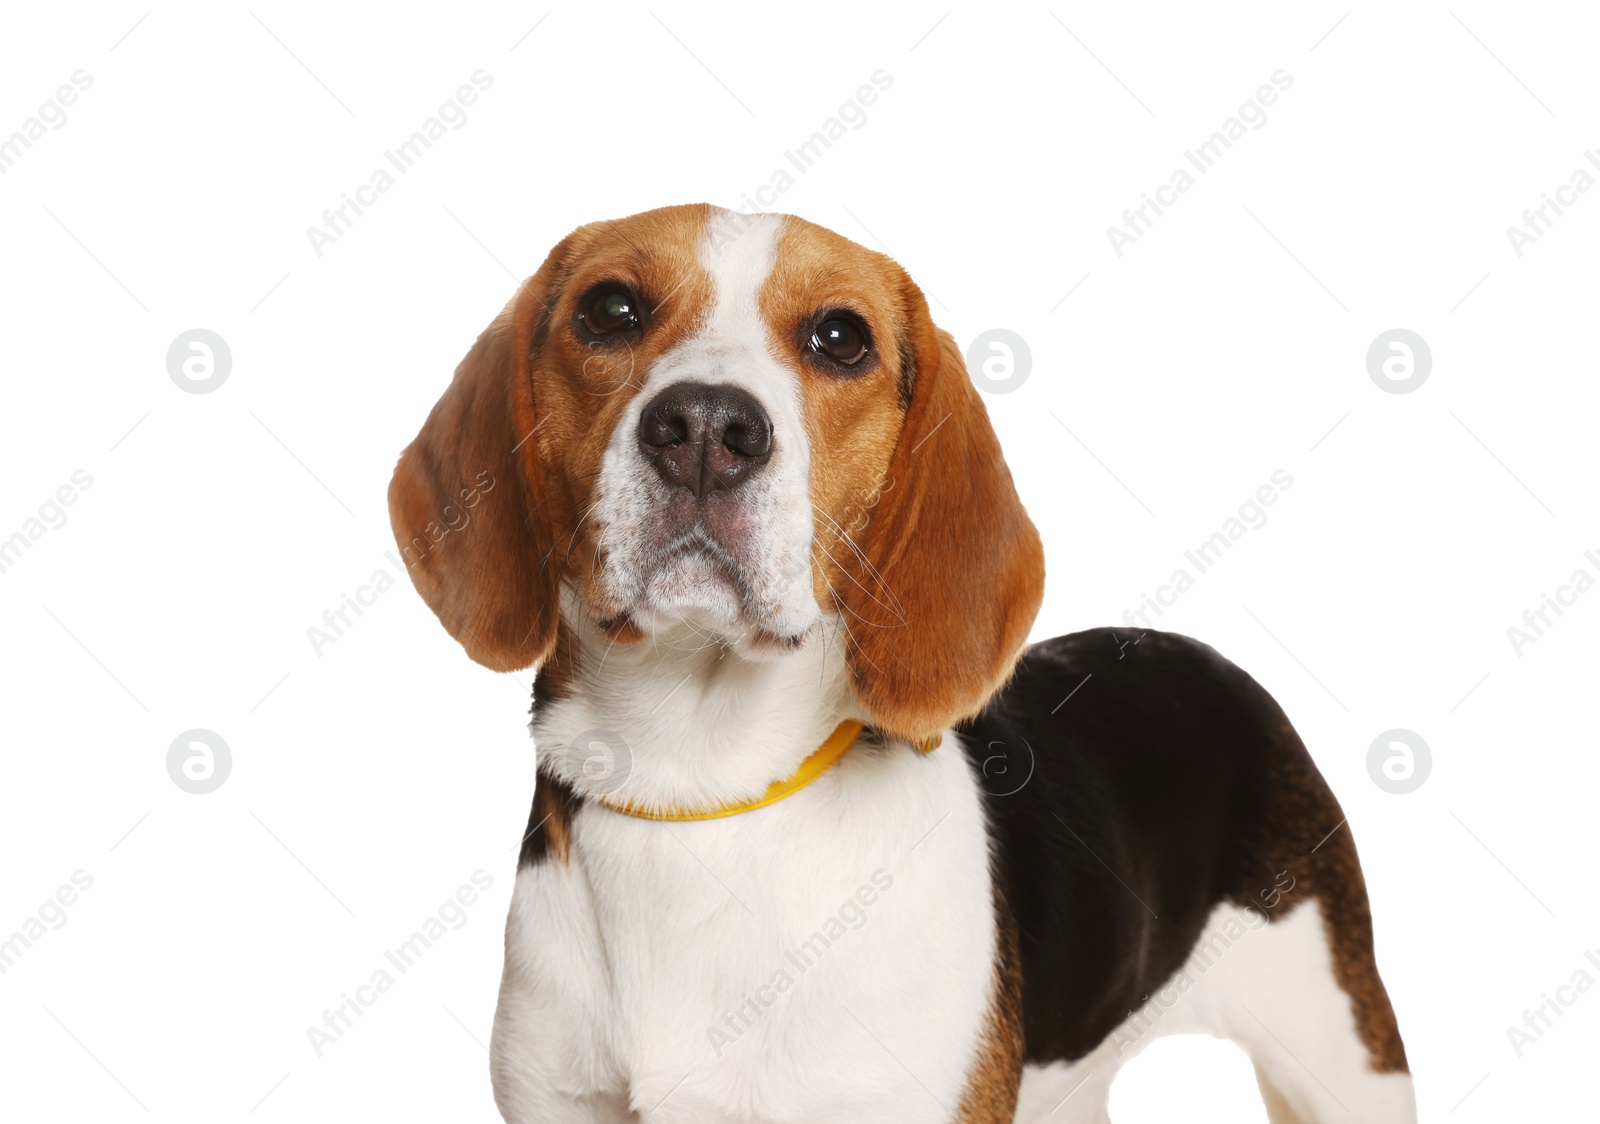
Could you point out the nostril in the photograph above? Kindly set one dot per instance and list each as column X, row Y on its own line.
column 663, row 429
column 747, row 439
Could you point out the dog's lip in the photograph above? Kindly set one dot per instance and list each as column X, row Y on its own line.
column 718, row 565
column 762, row 639
column 692, row 560
column 695, row 543
column 700, row 543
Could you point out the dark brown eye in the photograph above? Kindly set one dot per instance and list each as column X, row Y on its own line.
column 842, row 339
column 609, row 310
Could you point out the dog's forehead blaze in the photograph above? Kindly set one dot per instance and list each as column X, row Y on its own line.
column 851, row 422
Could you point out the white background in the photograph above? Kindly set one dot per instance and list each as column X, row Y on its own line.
column 372, row 779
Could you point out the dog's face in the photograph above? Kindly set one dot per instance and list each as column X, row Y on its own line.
column 717, row 392
column 747, row 424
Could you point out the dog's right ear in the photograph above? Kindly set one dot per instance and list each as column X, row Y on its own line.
column 469, row 504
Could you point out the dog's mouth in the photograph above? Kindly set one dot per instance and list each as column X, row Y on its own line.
column 695, row 579
column 695, row 575
column 698, row 561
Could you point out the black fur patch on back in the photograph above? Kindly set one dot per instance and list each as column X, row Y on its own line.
column 1145, row 801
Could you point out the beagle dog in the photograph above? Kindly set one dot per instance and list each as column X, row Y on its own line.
column 815, row 837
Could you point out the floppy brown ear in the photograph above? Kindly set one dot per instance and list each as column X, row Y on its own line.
column 951, row 570
column 468, row 500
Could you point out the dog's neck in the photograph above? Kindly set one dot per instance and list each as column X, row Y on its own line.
column 679, row 720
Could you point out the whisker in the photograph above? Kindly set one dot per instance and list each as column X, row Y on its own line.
column 892, row 610
column 872, row 571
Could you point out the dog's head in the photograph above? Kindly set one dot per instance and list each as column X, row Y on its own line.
column 747, row 423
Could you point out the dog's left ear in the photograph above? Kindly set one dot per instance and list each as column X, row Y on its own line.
column 469, row 503
column 950, row 570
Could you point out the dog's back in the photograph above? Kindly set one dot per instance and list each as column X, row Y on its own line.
column 1161, row 830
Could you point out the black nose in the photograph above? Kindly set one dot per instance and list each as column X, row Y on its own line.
column 705, row 437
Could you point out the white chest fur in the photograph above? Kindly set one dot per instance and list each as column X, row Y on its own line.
column 830, row 957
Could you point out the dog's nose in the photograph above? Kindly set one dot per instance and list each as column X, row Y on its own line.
column 705, row 437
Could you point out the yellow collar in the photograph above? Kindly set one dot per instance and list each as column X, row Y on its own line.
column 826, row 756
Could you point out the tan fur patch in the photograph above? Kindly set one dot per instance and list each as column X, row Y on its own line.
column 991, row 1096
column 1306, row 836
column 559, row 670
column 552, row 813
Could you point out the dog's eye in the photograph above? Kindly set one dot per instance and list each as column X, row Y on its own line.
column 842, row 339
column 610, row 309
